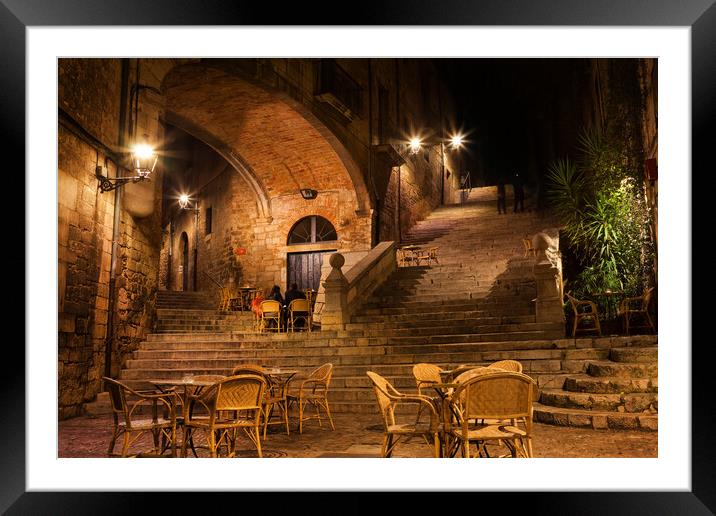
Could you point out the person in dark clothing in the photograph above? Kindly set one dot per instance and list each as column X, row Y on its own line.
column 519, row 191
column 292, row 294
column 501, row 197
column 275, row 295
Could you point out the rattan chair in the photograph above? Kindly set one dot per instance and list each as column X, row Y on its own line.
column 507, row 365
column 313, row 390
column 428, row 255
column 495, row 408
column 129, row 409
column 275, row 395
column 220, row 411
column 584, row 311
column 425, row 375
column 270, row 315
column 299, row 310
column 388, row 400
column 529, row 250
column 636, row 309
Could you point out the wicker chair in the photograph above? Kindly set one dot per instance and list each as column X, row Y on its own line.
column 275, row 395
column 299, row 310
column 425, row 376
column 129, row 421
column 584, row 311
column 428, row 255
column 529, row 250
column 270, row 313
column 388, row 400
column 495, row 408
column 507, row 365
column 637, row 309
column 229, row 405
column 313, row 390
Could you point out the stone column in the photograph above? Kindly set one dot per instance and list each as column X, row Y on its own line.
column 335, row 311
column 548, row 277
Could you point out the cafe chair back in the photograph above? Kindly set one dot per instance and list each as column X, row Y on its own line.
column 389, row 399
column 495, row 409
column 635, row 312
column 313, row 390
column 232, row 403
column 299, row 310
column 135, row 413
column 507, row 365
column 585, row 313
column 270, row 315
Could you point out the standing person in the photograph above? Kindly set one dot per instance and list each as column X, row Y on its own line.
column 501, row 196
column 518, row 187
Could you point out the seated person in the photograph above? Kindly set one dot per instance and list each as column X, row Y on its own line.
column 275, row 295
column 292, row 294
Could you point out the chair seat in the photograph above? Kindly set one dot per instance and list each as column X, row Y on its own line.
column 491, row 432
column 147, row 424
column 203, row 421
column 410, row 429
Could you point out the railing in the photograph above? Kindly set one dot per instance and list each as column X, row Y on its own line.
column 345, row 293
column 335, row 86
column 465, row 187
column 213, row 280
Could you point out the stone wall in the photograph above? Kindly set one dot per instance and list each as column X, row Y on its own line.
column 89, row 96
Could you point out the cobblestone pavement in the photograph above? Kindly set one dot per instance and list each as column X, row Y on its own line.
column 361, row 436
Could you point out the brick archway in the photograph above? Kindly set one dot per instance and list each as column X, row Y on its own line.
column 276, row 146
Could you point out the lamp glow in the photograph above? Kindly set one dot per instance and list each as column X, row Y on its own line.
column 183, row 200
column 415, row 145
column 144, row 160
column 456, row 141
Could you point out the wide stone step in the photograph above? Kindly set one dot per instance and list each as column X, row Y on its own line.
column 541, row 331
column 623, row 370
column 639, row 355
column 629, row 402
column 610, row 385
column 597, row 420
column 407, row 320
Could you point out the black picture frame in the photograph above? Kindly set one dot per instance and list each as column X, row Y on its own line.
column 16, row 15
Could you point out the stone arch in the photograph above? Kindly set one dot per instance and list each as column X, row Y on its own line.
column 274, row 142
column 309, row 218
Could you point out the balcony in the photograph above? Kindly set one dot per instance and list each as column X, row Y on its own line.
column 338, row 89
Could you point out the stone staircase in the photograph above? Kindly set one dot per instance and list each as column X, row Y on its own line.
column 195, row 312
column 475, row 306
column 618, row 391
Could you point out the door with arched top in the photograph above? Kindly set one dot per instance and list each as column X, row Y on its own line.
column 304, row 268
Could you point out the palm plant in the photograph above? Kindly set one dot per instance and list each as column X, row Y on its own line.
column 605, row 218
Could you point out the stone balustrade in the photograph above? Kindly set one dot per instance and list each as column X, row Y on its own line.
column 344, row 293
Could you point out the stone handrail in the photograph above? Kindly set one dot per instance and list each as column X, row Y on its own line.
column 345, row 293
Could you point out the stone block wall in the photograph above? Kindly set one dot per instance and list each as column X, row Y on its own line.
column 89, row 94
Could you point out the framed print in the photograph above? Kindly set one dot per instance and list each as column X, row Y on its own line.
column 318, row 205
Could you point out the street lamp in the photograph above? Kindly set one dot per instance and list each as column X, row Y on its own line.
column 143, row 159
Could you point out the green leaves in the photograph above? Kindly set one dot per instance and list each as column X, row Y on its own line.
column 605, row 218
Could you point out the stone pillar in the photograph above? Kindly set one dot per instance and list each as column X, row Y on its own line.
column 335, row 311
column 548, row 277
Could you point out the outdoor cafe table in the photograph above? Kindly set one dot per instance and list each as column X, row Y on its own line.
column 449, row 446
column 187, row 382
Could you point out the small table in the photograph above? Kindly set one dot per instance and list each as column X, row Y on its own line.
column 187, row 382
column 243, row 302
column 448, row 447
column 279, row 380
column 611, row 298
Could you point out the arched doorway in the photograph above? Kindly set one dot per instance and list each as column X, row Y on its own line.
column 184, row 267
column 304, row 268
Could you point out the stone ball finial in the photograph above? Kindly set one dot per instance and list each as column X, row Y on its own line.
column 541, row 241
column 337, row 260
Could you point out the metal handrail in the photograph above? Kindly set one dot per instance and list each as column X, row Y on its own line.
column 213, row 280
column 465, row 180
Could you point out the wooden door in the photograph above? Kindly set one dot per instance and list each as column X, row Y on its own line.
column 304, row 269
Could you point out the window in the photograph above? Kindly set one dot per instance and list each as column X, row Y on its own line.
column 310, row 230
column 207, row 222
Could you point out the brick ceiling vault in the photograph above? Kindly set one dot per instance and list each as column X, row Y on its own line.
column 274, row 144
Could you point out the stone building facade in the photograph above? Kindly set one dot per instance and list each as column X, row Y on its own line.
column 241, row 138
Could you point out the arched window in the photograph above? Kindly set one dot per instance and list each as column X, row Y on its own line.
column 310, row 230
